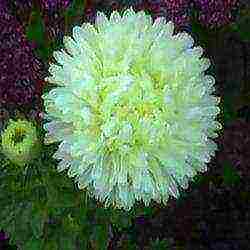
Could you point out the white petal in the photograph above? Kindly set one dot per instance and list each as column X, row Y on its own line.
column 62, row 165
column 62, row 57
column 77, row 33
column 71, row 45
column 115, row 17
column 54, row 69
column 204, row 64
column 75, row 168
column 172, row 188
column 128, row 13
column 169, row 27
column 89, row 34
column 101, row 20
column 159, row 23
column 126, row 132
column 196, row 51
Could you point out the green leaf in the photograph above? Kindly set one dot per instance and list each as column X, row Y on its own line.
column 73, row 14
column 228, row 112
column 76, row 8
column 6, row 216
column 242, row 26
column 120, row 219
column 60, row 197
column 99, row 237
column 37, row 222
column 51, row 245
column 22, row 224
column 201, row 33
column 68, row 241
column 159, row 244
column 33, row 244
column 129, row 244
column 35, row 30
column 230, row 175
column 39, row 194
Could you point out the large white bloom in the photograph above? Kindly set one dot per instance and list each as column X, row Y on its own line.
column 133, row 109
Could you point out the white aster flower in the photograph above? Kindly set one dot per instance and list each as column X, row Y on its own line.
column 133, row 109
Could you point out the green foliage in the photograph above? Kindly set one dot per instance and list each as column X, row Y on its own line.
column 99, row 236
column 37, row 222
column 201, row 34
column 35, row 32
column 241, row 27
column 51, row 245
column 159, row 244
column 230, row 175
column 122, row 220
column 228, row 111
column 76, row 8
column 33, row 196
column 33, row 244
column 129, row 244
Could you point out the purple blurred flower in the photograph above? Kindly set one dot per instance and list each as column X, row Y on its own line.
column 4, row 116
column 22, row 4
column 89, row 14
column 50, row 5
column 52, row 11
column 22, row 10
column 177, row 11
column 3, row 236
column 235, row 143
column 3, row 6
column 215, row 13
column 19, row 68
column 136, row 4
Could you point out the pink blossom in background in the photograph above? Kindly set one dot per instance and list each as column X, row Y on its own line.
column 54, row 4
column 215, row 13
column 20, row 69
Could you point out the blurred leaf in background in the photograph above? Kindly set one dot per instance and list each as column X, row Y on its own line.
column 159, row 244
column 241, row 27
column 35, row 32
column 230, row 176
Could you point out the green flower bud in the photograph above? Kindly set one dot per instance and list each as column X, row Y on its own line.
column 19, row 142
